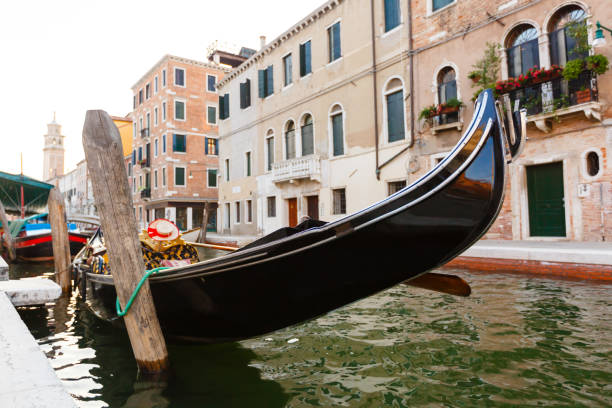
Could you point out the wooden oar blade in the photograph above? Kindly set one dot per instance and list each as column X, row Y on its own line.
column 438, row 282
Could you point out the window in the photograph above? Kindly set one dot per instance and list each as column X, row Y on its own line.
column 237, row 212
column 130, row 169
column 337, row 129
column 155, row 85
column 155, row 178
column 148, row 122
column 395, row 186
column 245, row 94
column 249, row 211
column 179, row 143
column 148, row 91
column 224, row 108
column 271, row 207
column 290, row 140
column 266, row 81
column 211, row 146
column 156, row 147
column 592, row 163
column 287, row 69
column 447, row 90
column 164, row 144
column 179, row 176
column 133, row 184
column 305, row 59
column 307, row 135
column 563, row 45
column 269, row 149
column 179, row 77
column 339, row 196
column 247, row 163
column 333, row 37
column 140, row 214
column 522, row 50
column 211, row 83
column 139, row 153
column 155, row 116
column 134, row 102
column 163, row 111
column 438, row 4
column 164, row 78
column 394, row 97
column 179, row 110
column 227, row 169
column 211, row 178
column 134, row 157
column 211, row 115
column 163, row 177
column 140, row 98
column 392, row 14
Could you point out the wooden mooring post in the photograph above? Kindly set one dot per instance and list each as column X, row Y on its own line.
column 105, row 162
column 7, row 235
column 208, row 208
column 59, row 239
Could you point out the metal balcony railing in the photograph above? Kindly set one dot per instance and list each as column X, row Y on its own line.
column 145, row 163
column 556, row 94
column 298, row 168
column 144, row 133
column 146, row 193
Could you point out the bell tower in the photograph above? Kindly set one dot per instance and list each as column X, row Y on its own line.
column 53, row 152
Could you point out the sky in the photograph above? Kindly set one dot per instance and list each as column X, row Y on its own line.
column 68, row 56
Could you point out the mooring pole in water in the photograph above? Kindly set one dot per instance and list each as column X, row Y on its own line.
column 6, row 234
column 59, row 239
column 106, row 165
column 205, row 218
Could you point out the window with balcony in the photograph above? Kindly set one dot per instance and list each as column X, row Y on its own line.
column 392, row 14
column 290, row 140
column 269, row 149
column 337, row 129
column 179, row 109
column 266, row 81
column 333, row 42
column 211, row 178
column 211, row 146
column 306, row 131
column 288, row 69
column 394, row 101
column 271, row 201
column 522, row 50
column 305, row 59
column 179, row 143
column 563, row 45
column 179, row 176
column 245, row 94
column 179, row 77
column 339, row 201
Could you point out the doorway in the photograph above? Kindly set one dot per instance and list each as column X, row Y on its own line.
column 292, row 210
column 312, row 202
column 546, row 200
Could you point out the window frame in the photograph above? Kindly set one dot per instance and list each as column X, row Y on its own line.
column 184, row 77
column 287, row 80
column 176, row 166
column 269, row 165
column 164, row 110
column 155, row 179
column 164, row 143
column 333, row 202
column 164, row 176
column 173, row 143
column 208, row 106
column 156, row 147
column 208, row 170
column 268, row 212
column 330, row 116
column 399, row 12
column 207, row 88
column 237, row 212
column 330, row 43
column 164, row 78
column 302, row 44
column 248, row 211
column 156, row 85
column 389, row 91
column 155, row 116
column 227, row 169
column 248, row 163
column 184, row 101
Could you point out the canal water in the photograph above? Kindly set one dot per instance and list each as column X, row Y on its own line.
column 517, row 341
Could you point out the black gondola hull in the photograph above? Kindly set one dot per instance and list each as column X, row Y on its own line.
column 39, row 248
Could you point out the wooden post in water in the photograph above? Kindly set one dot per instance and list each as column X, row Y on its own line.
column 59, row 239
column 7, row 235
column 205, row 218
column 105, row 162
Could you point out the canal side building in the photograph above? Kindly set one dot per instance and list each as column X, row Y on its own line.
column 322, row 121
column 174, row 161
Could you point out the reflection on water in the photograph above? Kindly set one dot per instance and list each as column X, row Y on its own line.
column 515, row 341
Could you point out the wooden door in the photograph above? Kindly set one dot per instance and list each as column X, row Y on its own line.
column 313, row 207
column 292, row 209
column 545, row 196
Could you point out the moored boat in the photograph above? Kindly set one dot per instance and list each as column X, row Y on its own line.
column 295, row 274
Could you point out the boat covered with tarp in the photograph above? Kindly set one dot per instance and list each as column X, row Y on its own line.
column 296, row 274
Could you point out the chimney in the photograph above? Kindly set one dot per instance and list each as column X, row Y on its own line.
column 217, row 58
column 262, row 42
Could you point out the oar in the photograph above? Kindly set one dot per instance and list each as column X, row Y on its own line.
column 222, row 247
column 450, row 284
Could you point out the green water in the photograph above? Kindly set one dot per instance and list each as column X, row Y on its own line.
column 517, row 341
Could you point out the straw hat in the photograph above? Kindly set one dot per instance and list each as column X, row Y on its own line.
column 163, row 230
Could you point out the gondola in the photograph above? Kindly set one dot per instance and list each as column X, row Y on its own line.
column 296, row 274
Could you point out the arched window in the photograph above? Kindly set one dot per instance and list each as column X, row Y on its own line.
column 269, row 149
column 567, row 35
column 394, row 98
column 522, row 50
column 290, row 140
column 447, row 90
column 337, row 130
column 592, row 164
column 307, row 135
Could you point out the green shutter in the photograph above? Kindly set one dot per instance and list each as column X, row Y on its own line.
column 269, row 80
column 338, row 135
column 217, row 147
column 205, row 145
column 247, row 88
column 307, row 140
column 303, row 59
column 242, row 94
column 179, row 176
column 226, row 107
column 392, row 14
column 395, row 116
column 261, row 76
column 221, row 107
column 337, row 49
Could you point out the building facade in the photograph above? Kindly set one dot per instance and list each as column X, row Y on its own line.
column 323, row 121
column 174, row 161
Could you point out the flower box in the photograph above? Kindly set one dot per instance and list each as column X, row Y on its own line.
column 448, row 109
column 584, row 96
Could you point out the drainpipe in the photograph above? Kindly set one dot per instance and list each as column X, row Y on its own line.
column 374, row 97
column 411, row 65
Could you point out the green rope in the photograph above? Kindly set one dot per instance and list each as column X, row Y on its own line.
column 121, row 313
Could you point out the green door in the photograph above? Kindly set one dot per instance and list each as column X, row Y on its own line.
column 546, row 202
